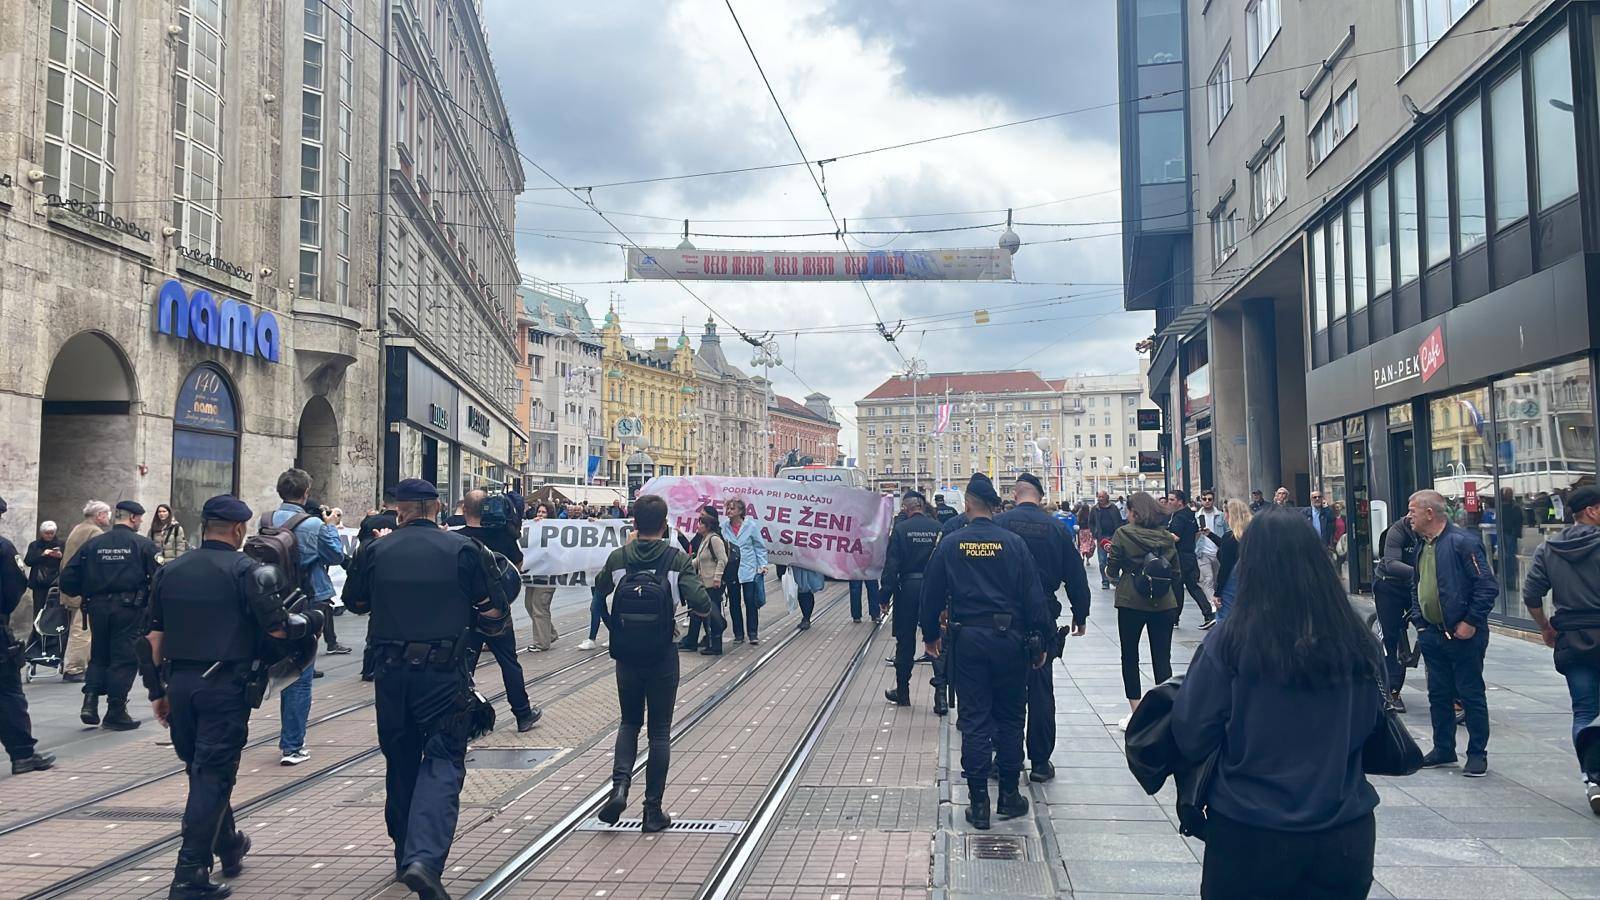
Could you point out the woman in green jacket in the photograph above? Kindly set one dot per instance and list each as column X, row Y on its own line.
column 1143, row 605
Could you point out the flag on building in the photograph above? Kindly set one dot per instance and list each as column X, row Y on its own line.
column 943, row 420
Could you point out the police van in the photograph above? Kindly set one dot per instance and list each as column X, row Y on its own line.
column 849, row 476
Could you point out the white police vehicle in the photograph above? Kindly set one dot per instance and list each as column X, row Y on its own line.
column 849, row 476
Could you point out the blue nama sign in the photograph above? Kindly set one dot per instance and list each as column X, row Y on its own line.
column 230, row 324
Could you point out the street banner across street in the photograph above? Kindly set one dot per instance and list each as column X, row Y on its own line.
column 974, row 264
column 842, row 532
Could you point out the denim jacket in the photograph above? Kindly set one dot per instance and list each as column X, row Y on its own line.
column 320, row 547
column 807, row 581
column 1467, row 586
column 752, row 549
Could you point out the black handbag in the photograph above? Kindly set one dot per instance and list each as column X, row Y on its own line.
column 1389, row 749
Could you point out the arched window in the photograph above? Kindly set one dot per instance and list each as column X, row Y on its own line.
column 205, row 442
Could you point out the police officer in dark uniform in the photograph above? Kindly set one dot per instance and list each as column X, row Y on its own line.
column 211, row 610
column 504, row 644
column 985, row 577
column 112, row 573
column 432, row 599
column 16, row 730
column 910, row 545
column 1056, row 560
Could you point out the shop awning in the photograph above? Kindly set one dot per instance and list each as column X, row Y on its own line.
column 1185, row 322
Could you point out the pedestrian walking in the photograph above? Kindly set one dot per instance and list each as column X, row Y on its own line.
column 744, row 537
column 1104, row 520
column 96, row 520
column 210, row 612
column 711, row 564
column 911, row 545
column 432, row 595
column 1212, row 521
column 1450, row 602
column 1055, row 562
column 502, row 644
column 112, row 573
column 1181, row 522
column 874, row 598
column 1284, row 695
column 1144, row 560
column 43, row 559
column 808, row 583
column 1227, row 540
column 1567, row 567
column 1391, row 594
column 319, row 548
column 168, row 534
column 540, row 593
column 645, row 581
column 983, row 578
column 16, row 729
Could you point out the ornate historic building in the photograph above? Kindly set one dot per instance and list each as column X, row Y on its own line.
column 657, row 387
column 809, row 429
column 560, row 368
column 730, row 403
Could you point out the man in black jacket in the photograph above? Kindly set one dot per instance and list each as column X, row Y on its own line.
column 1185, row 529
column 1104, row 520
column 1568, row 566
column 942, row 510
column 16, row 731
column 910, row 545
column 112, row 574
column 504, row 644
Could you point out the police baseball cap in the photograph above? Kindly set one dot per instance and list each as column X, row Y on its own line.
column 1577, row 501
column 225, row 508
column 1030, row 478
column 131, row 507
column 414, row 489
column 982, row 488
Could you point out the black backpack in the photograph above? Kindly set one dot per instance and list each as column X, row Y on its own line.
column 730, row 572
column 642, row 613
column 277, row 545
column 1152, row 576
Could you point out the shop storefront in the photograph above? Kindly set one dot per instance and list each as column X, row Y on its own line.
column 439, row 432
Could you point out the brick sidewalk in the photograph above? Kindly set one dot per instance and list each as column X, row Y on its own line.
column 1523, row 832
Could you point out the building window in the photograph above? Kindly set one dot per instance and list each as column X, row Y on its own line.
column 1382, row 237
column 1092, row 442
column 1510, row 151
column 1550, row 69
column 1406, row 217
column 1335, row 123
column 1219, row 90
column 1268, row 183
column 196, row 118
column 205, row 441
column 1466, row 135
column 1262, row 22
column 311, row 154
column 1436, row 199
column 1423, row 22
column 1314, row 270
column 1133, row 440
column 1162, row 159
column 81, row 100
column 1159, row 31
column 1336, row 268
column 1358, row 253
column 1224, row 236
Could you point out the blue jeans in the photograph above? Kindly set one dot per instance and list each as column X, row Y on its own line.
column 1583, row 683
column 855, row 599
column 294, row 707
column 596, row 607
column 1455, row 672
column 1100, row 551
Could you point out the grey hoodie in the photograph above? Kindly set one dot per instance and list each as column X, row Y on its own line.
column 1568, row 566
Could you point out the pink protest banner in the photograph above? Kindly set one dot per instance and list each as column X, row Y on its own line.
column 842, row 532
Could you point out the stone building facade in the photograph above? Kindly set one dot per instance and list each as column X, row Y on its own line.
column 656, row 387
column 730, row 405
column 807, row 429
column 561, row 370
column 161, row 341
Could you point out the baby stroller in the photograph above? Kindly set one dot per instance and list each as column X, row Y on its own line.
column 47, row 647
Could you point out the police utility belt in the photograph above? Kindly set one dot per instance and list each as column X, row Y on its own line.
column 126, row 598
column 998, row 621
column 440, row 655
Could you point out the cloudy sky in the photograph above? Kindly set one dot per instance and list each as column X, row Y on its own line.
column 616, row 91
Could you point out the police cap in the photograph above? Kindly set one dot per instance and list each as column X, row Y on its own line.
column 131, row 507
column 225, row 508
column 413, row 490
column 1577, row 501
column 1030, row 478
column 982, row 488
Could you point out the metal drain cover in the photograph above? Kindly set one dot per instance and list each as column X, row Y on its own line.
column 679, row 826
column 517, row 758
column 130, row 814
column 996, row 846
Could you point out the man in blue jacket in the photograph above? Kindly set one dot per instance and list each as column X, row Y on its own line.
column 1451, row 596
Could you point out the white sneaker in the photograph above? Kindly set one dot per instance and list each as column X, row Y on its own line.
column 295, row 758
column 1122, row 723
column 587, row 644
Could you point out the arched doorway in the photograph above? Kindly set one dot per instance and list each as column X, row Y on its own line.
column 317, row 449
column 205, row 442
column 86, row 429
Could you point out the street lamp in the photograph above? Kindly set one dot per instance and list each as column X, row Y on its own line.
column 766, row 357
column 916, row 370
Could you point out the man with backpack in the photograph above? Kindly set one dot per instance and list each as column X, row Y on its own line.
column 318, row 547
column 644, row 580
column 481, row 512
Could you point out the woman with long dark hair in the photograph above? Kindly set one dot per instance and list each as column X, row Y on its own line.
column 168, row 534
column 1286, row 692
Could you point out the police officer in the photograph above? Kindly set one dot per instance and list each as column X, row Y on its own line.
column 112, row 573
column 985, row 577
column 910, row 545
column 210, row 610
column 432, row 599
column 1056, row 560
column 504, row 644
column 16, row 730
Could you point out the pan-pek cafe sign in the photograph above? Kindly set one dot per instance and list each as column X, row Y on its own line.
column 228, row 324
column 1423, row 364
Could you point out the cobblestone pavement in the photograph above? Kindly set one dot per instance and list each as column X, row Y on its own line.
column 1523, row 832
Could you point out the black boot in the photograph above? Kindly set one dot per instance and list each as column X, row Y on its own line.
column 38, row 762
column 423, row 882
column 654, row 818
column 615, row 804
column 233, row 860
column 194, row 883
column 1042, row 771
column 941, row 706
column 1011, row 804
column 978, row 805
column 117, row 718
column 899, row 696
column 90, row 715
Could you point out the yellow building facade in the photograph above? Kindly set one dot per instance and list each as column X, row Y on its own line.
column 656, row 386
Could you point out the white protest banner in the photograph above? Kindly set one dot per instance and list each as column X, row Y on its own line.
column 567, row 550
column 842, row 532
